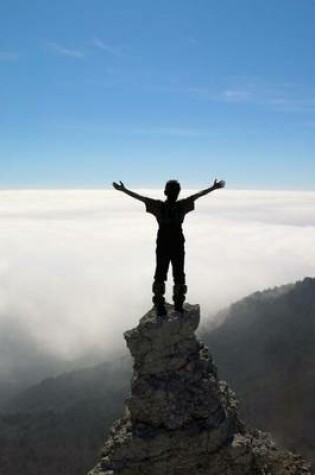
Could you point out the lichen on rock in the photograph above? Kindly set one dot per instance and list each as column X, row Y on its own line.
column 180, row 419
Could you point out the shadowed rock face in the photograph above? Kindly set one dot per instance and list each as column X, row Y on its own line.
column 180, row 419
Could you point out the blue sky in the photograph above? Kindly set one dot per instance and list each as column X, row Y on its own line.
column 139, row 90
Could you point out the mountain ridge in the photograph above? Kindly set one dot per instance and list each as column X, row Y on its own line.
column 265, row 349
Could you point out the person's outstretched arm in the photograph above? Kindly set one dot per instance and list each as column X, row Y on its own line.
column 216, row 186
column 121, row 187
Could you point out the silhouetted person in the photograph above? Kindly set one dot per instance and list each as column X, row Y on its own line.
column 170, row 215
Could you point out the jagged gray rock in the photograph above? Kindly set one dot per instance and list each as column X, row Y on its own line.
column 180, row 419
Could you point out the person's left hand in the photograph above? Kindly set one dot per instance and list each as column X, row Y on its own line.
column 218, row 184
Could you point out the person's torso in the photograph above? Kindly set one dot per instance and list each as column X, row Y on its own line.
column 170, row 218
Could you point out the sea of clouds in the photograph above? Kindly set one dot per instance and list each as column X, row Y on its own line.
column 76, row 266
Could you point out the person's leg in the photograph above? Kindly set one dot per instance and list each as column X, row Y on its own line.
column 160, row 276
column 180, row 288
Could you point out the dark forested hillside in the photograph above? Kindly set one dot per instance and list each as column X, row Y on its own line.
column 58, row 426
column 266, row 350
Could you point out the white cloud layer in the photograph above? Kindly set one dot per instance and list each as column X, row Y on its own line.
column 76, row 266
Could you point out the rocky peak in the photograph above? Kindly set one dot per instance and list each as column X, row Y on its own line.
column 180, row 419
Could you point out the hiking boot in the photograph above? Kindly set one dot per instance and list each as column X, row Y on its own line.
column 160, row 310
column 179, row 308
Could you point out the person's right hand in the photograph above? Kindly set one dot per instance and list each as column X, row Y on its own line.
column 119, row 186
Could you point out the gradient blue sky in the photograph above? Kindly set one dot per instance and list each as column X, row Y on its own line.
column 144, row 90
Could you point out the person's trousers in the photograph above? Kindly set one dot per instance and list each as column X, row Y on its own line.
column 170, row 252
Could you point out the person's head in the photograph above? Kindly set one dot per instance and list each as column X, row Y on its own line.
column 172, row 189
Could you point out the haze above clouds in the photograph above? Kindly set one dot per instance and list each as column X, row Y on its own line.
column 76, row 266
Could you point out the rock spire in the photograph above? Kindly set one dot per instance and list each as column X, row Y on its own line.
column 180, row 419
